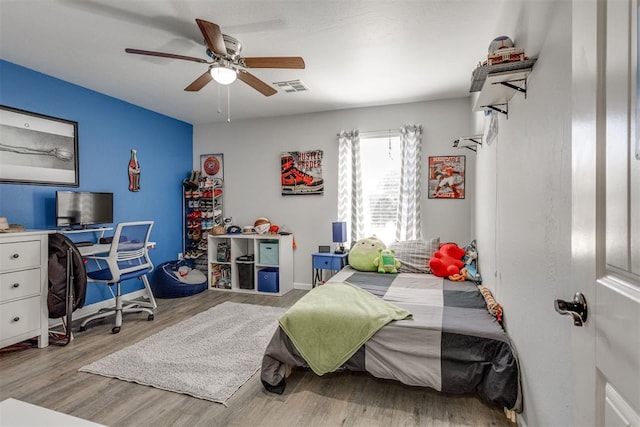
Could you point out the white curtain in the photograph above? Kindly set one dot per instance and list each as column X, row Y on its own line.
column 408, row 223
column 350, row 182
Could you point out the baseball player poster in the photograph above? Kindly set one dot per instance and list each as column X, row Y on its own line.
column 446, row 177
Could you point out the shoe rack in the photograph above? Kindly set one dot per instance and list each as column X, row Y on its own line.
column 202, row 210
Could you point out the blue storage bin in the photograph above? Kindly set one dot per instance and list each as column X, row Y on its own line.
column 269, row 280
column 268, row 253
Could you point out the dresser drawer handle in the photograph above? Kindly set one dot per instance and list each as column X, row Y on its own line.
column 16, row 285
column 15, row 256
column 17, row 318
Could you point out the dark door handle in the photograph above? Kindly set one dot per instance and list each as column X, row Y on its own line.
column 577, row 308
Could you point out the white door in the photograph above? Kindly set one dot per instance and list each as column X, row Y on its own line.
column 606, row 212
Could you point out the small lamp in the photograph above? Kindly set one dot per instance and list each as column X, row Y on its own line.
column 339, row 236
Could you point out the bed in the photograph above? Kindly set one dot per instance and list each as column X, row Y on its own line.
column 450, row 342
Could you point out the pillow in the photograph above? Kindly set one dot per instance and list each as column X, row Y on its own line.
column 414, row 255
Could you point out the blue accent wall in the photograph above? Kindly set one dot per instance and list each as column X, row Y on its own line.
column 108, row 129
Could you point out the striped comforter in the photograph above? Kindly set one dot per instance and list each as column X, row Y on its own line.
column 451, row 344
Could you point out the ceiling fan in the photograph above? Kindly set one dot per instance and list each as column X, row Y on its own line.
column 226, row 64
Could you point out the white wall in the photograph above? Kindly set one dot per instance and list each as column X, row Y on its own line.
column 523, row 214
column 252, row 150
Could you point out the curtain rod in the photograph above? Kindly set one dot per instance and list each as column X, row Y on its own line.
column 374, row 133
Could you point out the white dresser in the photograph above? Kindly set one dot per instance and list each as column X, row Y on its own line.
column 24, row 287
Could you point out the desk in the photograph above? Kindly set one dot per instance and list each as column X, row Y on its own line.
column 326, row 261
column 102, row 248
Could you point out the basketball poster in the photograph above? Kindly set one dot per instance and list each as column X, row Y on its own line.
column 301, row 172
column 212, row 166
column 446, row 177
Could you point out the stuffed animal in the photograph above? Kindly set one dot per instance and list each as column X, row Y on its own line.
column 386, row 261
column 471, row 263
column 364, row 252
column 447, row 261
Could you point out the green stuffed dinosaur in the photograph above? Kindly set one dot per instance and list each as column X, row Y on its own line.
column 363, row 253
column 386, row 261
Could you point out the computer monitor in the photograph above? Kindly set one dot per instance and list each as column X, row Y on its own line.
column 83, row 208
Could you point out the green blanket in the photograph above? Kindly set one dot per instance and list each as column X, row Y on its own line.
column 330, row 323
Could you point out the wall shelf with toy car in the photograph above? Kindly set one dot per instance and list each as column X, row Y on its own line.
column 498, row 87
column 502, row 75
column 470, row 142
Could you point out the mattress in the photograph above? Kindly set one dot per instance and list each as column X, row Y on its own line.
column 451, row 343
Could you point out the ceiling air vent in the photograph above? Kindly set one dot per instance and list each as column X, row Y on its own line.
column 291, row 86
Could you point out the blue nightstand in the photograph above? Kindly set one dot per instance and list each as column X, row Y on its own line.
column 326, row 261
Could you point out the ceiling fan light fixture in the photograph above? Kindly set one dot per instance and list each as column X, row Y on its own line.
column 223, row 75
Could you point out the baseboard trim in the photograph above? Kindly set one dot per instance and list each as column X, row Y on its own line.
column 303, row 286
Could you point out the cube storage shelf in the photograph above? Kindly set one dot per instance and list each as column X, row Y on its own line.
column 253, row 263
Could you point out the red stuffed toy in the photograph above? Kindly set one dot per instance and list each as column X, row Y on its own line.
column 447, row 261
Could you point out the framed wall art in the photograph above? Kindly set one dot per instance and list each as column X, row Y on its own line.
column 37, row 149
column 301, row 172
column 446, row 177
column 212, row 166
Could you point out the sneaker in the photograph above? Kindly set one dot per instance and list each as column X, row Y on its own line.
column 295, row 177
column 286, row 163
column 187, row 182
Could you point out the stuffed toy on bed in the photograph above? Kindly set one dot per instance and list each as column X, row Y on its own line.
column 471, row 263
column 364, row 252
column 447, row 261
column 386, row 261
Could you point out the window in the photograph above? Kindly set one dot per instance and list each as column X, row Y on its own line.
column 380, row 170
column 379, row 183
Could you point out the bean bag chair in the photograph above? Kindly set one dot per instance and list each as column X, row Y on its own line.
column 176, row 279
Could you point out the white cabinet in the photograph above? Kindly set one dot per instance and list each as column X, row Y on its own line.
column 24, row 287
column 254, row 263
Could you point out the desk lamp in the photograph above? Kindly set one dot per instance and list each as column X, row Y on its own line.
column 339, row 236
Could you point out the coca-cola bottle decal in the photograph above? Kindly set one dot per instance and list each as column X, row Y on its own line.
column 134, row 172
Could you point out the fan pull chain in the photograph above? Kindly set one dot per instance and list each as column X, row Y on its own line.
column 228, row 105
column 219, row 107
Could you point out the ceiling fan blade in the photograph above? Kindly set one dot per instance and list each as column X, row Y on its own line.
column 274, row 62
column 165, row 55
column 256, row 83
column 200, row 82
column 213, row 37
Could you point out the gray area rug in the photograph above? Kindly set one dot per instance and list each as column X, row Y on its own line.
column 209, row 356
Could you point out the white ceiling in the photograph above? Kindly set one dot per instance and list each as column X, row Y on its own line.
column 357, row 52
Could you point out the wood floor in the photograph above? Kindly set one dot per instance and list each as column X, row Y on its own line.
column 49, row 378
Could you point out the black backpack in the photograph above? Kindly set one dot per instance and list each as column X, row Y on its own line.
column 59, row 246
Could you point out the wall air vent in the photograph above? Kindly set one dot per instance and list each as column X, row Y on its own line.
column 291, row 86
